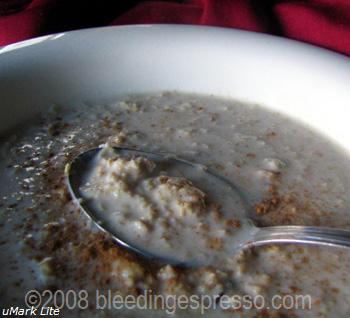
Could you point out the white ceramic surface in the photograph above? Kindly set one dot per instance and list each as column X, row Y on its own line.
column 95, row 65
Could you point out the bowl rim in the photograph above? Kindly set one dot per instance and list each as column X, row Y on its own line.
column 38, row 39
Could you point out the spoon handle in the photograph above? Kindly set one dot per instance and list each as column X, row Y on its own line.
column 301, row 234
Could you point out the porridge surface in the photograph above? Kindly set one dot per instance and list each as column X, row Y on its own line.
column 289, row 174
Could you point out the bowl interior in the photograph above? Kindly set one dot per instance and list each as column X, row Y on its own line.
column 96, row 65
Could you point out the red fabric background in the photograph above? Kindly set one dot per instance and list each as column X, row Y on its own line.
column 322, row 22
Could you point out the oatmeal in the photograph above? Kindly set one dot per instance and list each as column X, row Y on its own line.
column 155, row 205
column 287, row 173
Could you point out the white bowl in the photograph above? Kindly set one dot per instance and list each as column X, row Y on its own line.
column 93, row 65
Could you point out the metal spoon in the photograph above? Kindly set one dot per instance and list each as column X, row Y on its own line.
column 254, row 235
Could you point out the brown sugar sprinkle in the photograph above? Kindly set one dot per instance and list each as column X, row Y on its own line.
column 271, row 203
column 56, row 128
column 233, row 223
column 305, row 260
column 215, row 243
column 290, row 209
column 98, row 259
column 267, row 205
column 251, row 155
column 271, row 134
column 295, row 289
